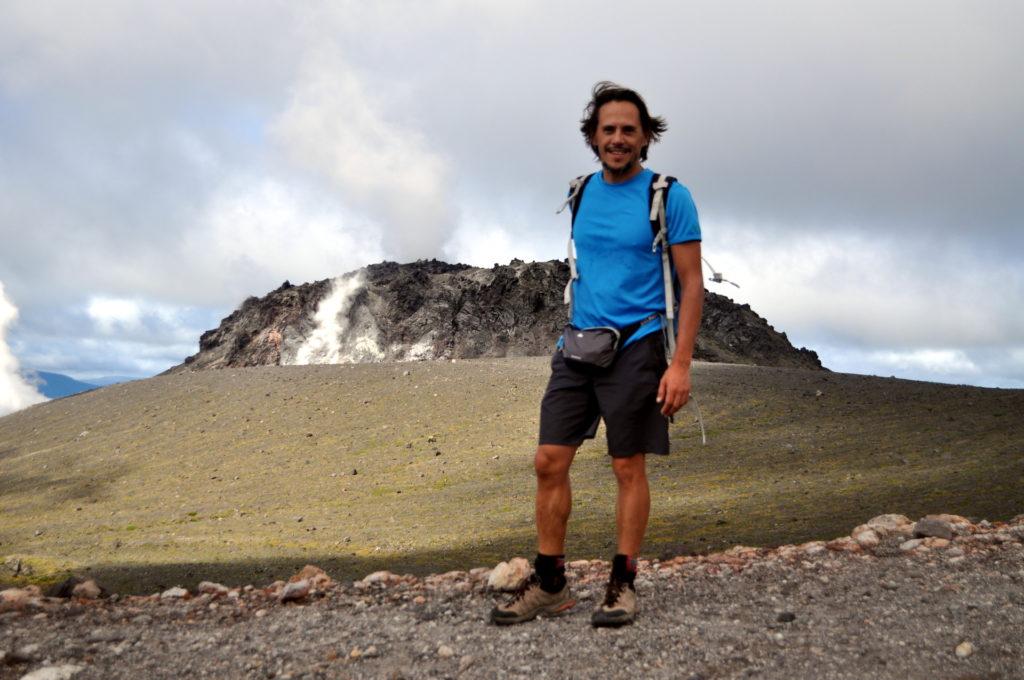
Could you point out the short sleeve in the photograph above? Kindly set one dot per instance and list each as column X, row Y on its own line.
column 683, row 224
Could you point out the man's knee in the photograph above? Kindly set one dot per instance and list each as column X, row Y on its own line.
column 631, row 470
column 552, row 462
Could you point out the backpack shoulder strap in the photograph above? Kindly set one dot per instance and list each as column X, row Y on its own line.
column 660, row 185
column 658, row 200
column 576, row 188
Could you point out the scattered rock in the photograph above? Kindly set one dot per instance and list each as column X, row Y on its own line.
column 912, row 544
column 964, row 650
column 886, row 525
column 25, row 654
column 932, row 526
column 509, row 575
column 465, row 662
column 106, row 635
column 87, row 590
column 445, row 652
column 316, row 576
column 786, row 617
column 211, row 588
column 865, row 536
column 18, row 598
column 62, row 672
column 382, row 576
column 295, row 591
column 175, row 593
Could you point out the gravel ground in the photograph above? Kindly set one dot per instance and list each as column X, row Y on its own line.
column 793, row 612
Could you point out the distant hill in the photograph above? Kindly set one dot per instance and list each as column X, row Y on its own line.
column 56, row 385
column 435, row 310
column 105, row 380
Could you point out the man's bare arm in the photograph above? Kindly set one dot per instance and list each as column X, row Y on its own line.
column 674, row 390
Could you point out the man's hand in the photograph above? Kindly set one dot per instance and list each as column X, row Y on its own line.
column 674, row 390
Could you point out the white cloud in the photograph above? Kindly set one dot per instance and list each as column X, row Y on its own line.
column 934, row 361
column 15, row 392
column 110, row 314
column 896, row 292
column 338, row 125
column 256, row 233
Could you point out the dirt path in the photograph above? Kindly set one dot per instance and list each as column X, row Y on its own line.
column 926, row 609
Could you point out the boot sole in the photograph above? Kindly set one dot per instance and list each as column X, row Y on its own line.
column 613, row 622
column 548, row 613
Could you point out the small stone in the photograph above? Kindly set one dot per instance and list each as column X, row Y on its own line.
column 175, row 593
column 296, row 591
column 932, row 526
column 885, row 525
column 25, row 654
column 356, row 653
column 14, row 598
column 260, row 613
column 465, row 662
column 814, row 548
column 865, row 537
column 62, row 672
column 509, row 575
column 371, row 652
column 912, row 544
column 419, row 599
column 786, row 617
column 105, row 635
column 87, row 590
column 964, row 650
column 382, row 576
column 211, row 588
column 445, row 652
column 316, row 576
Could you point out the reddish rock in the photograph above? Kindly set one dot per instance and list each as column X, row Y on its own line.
column 316, row 576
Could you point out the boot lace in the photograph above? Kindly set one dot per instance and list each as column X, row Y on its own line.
column 611, row 595
column 520, row 592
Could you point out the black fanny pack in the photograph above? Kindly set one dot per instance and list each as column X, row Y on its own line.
column 597, row 346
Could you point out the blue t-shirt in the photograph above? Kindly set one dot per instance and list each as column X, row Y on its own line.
column 620, row 278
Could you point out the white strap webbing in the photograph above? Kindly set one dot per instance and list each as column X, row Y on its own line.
column 658, row 213
column 575, row 186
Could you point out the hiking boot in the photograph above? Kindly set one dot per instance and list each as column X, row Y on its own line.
column 619, row 606
column 530, row 601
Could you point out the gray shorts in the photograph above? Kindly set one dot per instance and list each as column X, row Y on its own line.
column 624, row 394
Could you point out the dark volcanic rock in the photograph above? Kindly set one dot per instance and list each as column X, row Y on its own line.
column 434, row 310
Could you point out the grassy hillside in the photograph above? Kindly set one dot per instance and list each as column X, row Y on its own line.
column 242, row 475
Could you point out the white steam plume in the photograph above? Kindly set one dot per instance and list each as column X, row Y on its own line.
column 337, row 338
column 15, row 393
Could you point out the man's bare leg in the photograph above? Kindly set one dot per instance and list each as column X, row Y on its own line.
column 554, row 496
column 634, row 502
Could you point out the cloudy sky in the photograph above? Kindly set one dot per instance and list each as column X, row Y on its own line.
column 857, row 165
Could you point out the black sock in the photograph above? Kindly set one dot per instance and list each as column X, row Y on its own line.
column 624, row 568
column 551, row 572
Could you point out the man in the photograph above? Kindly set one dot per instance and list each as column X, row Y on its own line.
column 620, row 285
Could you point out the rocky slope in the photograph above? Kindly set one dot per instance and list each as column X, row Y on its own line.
column 435, row 310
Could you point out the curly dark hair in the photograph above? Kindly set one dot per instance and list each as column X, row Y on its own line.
column 607, row 91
